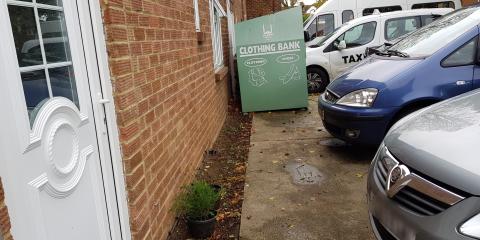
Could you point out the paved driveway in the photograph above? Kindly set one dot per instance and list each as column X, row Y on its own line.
column 302, row 183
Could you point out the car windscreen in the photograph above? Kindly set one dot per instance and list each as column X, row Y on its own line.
column 431, row 38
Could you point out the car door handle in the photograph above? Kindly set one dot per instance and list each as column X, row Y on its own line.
column 460, row 83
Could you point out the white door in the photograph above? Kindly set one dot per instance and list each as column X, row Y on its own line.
column 50, row 163
column 357, row 39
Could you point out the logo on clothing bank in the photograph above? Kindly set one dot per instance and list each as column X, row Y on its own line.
column 267, row 32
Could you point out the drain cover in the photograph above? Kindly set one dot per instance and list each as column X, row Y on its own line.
column 304, row 174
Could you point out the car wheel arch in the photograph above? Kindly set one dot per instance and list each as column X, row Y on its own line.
column 411, row 107
column 317, row 85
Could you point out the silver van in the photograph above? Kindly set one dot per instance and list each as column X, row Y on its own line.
column 424, row 182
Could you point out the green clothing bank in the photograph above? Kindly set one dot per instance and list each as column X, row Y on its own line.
column 271, row 62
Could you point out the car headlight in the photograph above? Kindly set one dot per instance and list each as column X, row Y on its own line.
column 359, row 98
column 471, row 227
column 379, row 154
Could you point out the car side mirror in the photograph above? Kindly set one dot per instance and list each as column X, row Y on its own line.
column 306, row 36
column 341, row 45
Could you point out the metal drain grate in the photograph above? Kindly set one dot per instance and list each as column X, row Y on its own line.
column 304, row 174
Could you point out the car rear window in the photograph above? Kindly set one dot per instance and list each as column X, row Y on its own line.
column 446, row 4
column 398, row 27
column 369, row 11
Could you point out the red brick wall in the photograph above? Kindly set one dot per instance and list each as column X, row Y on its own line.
column 258, row 8
column 470, row 2
column 238, row 7
column 4, row 218
column 169, row 106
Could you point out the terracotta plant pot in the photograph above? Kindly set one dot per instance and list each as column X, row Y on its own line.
column 216, row 187
column 202, row 228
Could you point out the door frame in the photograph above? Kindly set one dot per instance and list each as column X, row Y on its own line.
column 110, row 151
column 94, row 48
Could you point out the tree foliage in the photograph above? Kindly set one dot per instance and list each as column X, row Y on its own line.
column 319, row 3
column 291, row 3
column 287, row 3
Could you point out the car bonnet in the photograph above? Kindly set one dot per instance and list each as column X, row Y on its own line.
column 442, row 142
column 374, row 72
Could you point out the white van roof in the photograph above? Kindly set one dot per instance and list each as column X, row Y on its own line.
column 422, row 11
column 406, row 13
column 332, row 5
column 389, row 15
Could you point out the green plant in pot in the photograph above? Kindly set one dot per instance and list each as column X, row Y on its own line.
column 197, row 203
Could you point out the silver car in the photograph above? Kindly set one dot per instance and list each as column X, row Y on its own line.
column 424, row 182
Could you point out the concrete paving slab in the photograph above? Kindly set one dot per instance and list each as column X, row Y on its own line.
column 302, row 183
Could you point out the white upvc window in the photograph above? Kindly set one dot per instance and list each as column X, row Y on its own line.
column 216, row 13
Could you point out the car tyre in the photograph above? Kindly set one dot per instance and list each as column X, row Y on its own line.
column 317, row 80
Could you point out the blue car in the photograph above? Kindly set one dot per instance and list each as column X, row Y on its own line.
column 434, row 63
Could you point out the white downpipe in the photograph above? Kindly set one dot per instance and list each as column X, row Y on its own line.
column 231, row 39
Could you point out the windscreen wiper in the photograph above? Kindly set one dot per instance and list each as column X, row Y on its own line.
column 375, row 51
column 397, row 53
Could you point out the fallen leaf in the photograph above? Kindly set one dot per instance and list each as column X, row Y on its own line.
column 359, row 175
column 236, row 214
column 220, row 217
column 275, row 161
column 235, row 199
column 240, row 169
